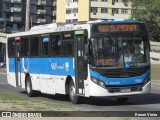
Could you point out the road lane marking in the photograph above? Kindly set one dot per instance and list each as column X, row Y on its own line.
column 3, row 73
column 3, row 83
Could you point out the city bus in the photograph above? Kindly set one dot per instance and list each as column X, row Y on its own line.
column 84, row 59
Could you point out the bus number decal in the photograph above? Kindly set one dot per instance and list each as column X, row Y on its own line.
column 65, row 66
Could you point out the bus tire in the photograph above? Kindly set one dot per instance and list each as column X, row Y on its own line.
column 28, row 87
column 122, row 100
column 72, row 94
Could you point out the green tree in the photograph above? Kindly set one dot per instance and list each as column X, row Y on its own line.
column 149, row 12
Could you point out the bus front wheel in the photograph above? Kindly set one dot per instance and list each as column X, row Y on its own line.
column 72, row 94
column 28, row 87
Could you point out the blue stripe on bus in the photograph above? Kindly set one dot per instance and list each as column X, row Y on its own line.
column 52, row 66
column 121, row 81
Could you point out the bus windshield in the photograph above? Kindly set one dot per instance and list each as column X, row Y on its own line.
column 119, row 52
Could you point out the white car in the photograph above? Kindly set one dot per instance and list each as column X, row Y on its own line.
column 3, row 64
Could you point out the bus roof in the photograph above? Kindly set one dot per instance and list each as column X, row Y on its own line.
column 121, row 21
column 59, row 27
column 50, row 28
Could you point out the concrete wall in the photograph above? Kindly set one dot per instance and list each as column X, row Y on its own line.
column 61, row 11
column 83, row 10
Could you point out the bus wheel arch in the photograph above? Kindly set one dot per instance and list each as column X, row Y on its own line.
column 68, row 80
column 28, row 86
column 74, row 98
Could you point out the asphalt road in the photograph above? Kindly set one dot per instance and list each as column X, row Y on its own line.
column 147, row 102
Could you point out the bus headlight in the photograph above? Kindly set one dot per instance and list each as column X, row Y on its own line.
column 94, row 80
column 98, row 82
column 147, row 80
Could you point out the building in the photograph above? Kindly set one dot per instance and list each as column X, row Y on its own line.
column 43, row 11
column 14, row 12
column 71, row 11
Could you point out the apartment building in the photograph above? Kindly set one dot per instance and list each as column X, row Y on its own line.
column 14, row 11
column 84, row 10
column 43, row 11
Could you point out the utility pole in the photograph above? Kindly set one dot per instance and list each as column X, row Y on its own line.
column 27, row 15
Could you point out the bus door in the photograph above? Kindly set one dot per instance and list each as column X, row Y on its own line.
column 81, row 70
column 17, row 61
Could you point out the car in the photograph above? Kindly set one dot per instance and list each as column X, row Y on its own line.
column 3, row 64
column 7, row 30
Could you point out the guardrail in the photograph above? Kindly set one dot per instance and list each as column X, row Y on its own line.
column 155, row 52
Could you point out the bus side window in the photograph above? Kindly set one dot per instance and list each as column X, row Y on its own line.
column 25, row 47
column 11, row 47
column 55, row 45
column 34, row 46
column 67, row 48
column 67, row 44
column 45, row 45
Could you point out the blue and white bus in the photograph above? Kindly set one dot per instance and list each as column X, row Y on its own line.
column 101, row 58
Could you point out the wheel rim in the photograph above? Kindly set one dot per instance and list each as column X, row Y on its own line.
column 72, row 92
column 28, row 87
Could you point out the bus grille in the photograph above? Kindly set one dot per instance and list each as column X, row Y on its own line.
column 122, row 89
column 122, row 73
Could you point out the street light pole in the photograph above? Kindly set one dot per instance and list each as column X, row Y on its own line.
column 27, row 15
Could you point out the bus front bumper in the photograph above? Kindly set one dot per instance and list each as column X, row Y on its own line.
column 96, row 90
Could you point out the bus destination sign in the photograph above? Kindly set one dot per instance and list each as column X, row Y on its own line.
column 107, row 28
column 101, row 28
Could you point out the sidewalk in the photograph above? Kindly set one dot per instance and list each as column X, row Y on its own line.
column 155, row 83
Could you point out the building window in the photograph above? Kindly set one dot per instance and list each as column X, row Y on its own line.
column 114, row 0
column 8, row 5
column 93, row 10
column 68, row 11
column 75, row 0
column 75, row 20
column 104, row 10
column 115, row 10
column 124, row 11
column 69, row 21
column 8, row 15
column 123, row 1
column 75, row 10
column 104, row 0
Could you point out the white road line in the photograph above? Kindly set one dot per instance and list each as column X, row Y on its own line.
column 156, row 86
column 3, row 73
column 3, row 83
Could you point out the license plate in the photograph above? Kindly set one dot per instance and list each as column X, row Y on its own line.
column 125, row 90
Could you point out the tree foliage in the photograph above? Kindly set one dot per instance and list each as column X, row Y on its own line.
column 149, row 12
